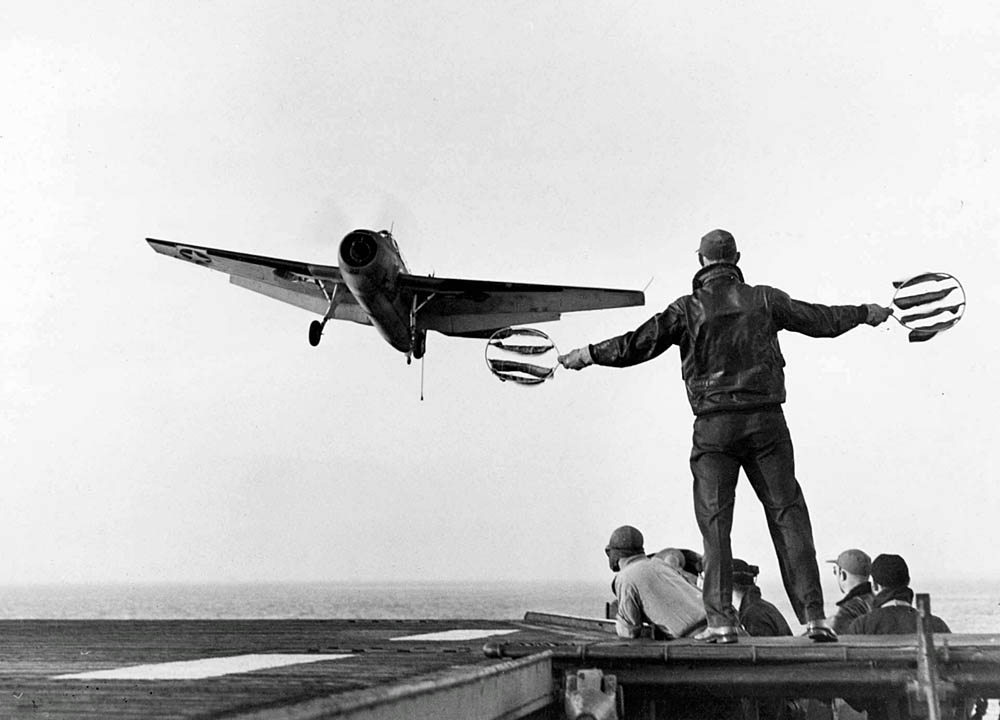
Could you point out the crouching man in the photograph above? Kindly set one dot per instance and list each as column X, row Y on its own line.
column 650, row 591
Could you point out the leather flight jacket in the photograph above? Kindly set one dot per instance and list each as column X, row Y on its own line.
column 727, row 332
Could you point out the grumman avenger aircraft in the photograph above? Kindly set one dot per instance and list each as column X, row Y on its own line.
column 372, row 286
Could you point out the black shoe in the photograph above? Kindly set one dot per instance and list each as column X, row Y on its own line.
column 820, row 633
column 722, row 635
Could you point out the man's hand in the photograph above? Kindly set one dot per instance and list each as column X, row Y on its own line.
column 577, row 359
column 877, row 314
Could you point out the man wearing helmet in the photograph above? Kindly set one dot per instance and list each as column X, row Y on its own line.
column 727, row 332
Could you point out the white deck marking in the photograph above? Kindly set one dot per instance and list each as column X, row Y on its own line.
column 200, row 669
column 446, row 635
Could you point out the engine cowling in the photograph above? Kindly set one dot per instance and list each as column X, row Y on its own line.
column 358, row 249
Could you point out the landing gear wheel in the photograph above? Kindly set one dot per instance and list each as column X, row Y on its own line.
column 315, row 332
column 419, row 344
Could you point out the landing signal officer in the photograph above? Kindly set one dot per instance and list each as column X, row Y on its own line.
column 727, row 332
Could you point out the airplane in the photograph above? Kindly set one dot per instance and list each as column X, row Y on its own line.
column 372, row 286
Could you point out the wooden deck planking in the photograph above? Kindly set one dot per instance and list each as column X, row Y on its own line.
column 32, row 652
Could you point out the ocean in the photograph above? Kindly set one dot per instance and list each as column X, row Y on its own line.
column 968, row 607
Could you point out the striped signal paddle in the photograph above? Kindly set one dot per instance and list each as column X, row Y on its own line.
column 525, row 356
column 928, row 304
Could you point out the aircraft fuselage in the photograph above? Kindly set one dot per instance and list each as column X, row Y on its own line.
column 371, row 264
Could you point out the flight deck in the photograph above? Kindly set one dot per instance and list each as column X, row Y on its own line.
column 444, row 668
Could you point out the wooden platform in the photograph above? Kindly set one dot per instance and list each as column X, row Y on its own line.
column 410, row 668
column 769, row 666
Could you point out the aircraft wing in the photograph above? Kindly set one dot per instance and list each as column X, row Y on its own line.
column 290, row 281
column 478, row 307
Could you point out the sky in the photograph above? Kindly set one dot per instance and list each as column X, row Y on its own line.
column 159, row 424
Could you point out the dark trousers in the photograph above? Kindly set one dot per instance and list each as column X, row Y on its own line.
column 758, row 441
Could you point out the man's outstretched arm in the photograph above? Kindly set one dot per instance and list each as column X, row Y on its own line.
column 646, row 342
column 817, row 320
